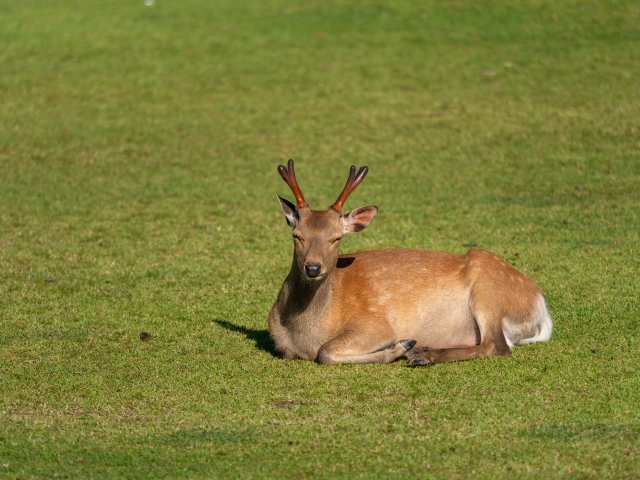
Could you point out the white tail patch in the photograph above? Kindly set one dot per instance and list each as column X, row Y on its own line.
column 537, row 329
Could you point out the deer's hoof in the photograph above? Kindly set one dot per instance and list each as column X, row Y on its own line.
column 420, row 362
column 416, row 362
column 407, row 344
column 418, row 350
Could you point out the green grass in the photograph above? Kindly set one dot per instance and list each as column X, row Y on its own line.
column 138, row 154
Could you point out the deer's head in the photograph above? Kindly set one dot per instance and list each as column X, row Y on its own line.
column 317, row 233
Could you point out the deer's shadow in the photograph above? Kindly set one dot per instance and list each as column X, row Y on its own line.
column 260, row 337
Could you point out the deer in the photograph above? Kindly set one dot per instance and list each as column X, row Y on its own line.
column 377, row 306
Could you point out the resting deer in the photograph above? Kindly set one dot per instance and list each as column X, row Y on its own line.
column 380, row 305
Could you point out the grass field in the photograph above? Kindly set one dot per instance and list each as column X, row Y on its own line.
column 138, row 154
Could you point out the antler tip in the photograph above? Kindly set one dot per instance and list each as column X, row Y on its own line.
column 288, row 174
column 352, row 182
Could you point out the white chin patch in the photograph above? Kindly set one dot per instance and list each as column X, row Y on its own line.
column 313, row 279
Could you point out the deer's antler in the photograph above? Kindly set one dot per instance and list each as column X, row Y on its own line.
column 288, row 174
column 352, row 182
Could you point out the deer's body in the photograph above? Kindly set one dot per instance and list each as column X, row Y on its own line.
column 375, row 306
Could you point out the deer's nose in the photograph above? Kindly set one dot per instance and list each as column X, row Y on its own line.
column 312, row 269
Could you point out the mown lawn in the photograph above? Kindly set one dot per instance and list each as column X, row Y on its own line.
column 138, row 154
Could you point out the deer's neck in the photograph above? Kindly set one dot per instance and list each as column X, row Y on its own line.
column 304, row 297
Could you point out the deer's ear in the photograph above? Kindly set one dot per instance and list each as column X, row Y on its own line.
column 359, row 219
column 289, row 210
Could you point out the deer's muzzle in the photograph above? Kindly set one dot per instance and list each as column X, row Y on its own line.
column 312, row 269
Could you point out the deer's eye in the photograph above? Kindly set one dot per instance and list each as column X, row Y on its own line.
column 337, row 240
column 296, row 237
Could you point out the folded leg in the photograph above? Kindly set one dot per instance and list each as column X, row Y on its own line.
column 364, row 344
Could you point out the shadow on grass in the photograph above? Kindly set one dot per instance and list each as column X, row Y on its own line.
column 261, row 337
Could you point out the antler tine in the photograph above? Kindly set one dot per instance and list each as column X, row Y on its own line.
column 288, row 174
column 352, row 182
column 362, row 172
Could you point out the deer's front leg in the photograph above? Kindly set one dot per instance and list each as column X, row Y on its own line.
column 364, row 344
